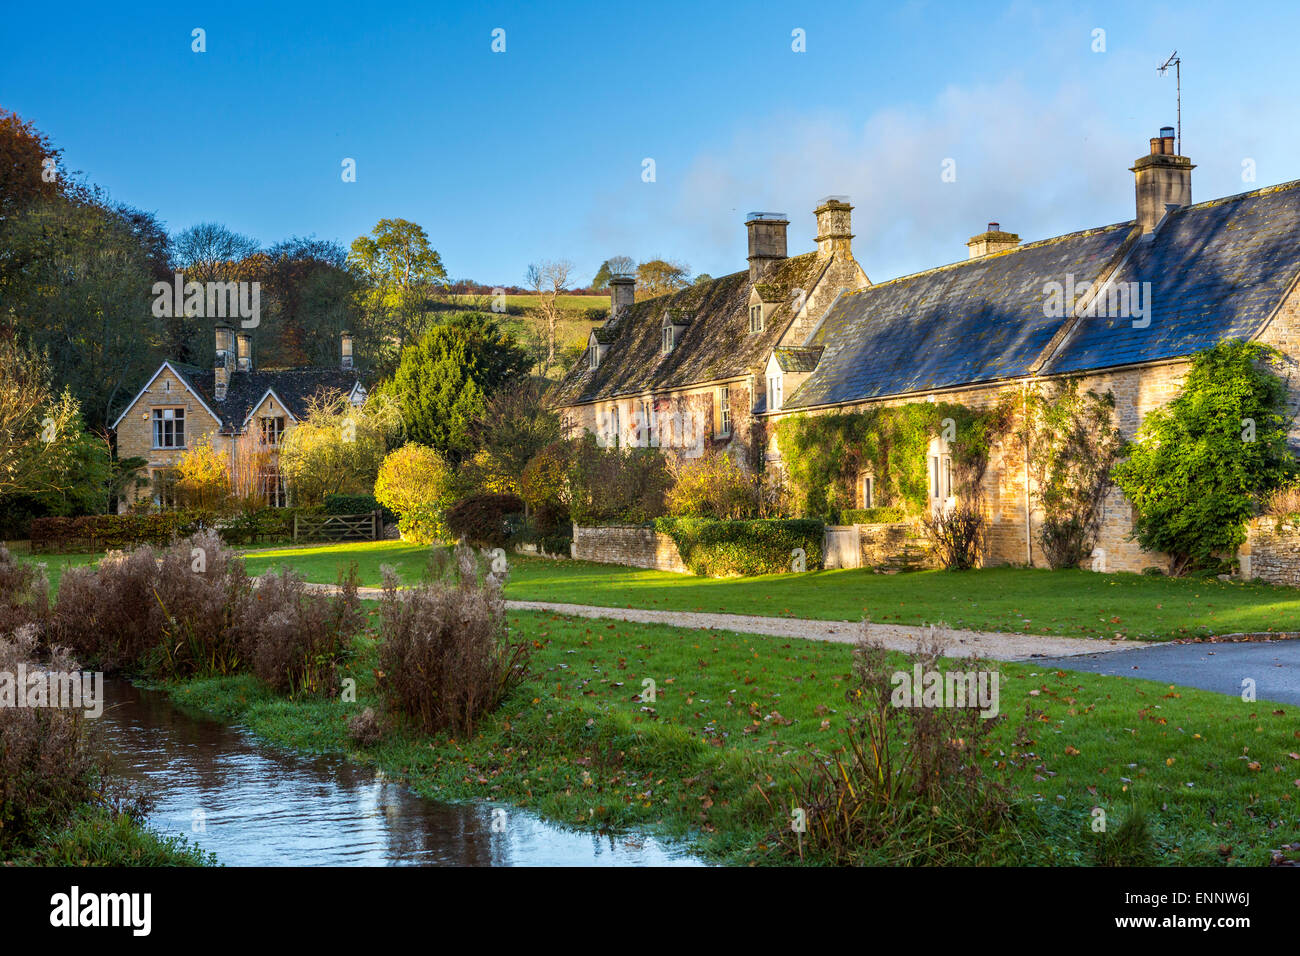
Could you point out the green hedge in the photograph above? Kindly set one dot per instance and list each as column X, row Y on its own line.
column 117, row 532
column 715, row 548
column 356, row 505
column 870, row 515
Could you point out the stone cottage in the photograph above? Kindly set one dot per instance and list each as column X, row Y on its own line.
column 690, row 372
column 233, row 404
column 1122, row 307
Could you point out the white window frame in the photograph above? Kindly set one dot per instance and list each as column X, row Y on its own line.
column 158, row 431
column 774, row 396
column 272, row 431
column 669, row 338
column 756, row 317
column 724, row 411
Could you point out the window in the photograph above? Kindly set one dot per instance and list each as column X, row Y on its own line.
column 169, row 428
column 668, row 338
column 272, row 429
column 940, row 476
column 274, row 492
column 774, row 393
column 756, row 318
column 868, row 491
column 164, row 488
column 593, row 357
column 724, row 411
column 613, row 427
column 645, row 427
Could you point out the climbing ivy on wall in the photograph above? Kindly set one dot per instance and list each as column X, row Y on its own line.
column 824, row 454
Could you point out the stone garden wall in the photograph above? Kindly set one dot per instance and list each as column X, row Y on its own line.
column 630, row 545
column 1271, row 552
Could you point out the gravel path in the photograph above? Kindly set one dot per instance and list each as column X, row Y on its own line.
column 899, row 637
column 993, row 645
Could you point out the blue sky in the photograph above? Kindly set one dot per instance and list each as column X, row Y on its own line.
column 537, row 152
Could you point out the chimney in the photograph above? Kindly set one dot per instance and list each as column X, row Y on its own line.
column 834, row 227
column 622, row 292
column 1162, row 180
column 345, row 349
column 244, row 351
column 766, row 242
column 991, row 241
column 224, row 359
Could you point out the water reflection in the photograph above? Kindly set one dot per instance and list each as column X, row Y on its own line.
column 254, row 805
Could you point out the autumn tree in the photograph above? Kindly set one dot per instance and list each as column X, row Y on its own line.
column 661, row 277
column 337, row 448
column 548, row 280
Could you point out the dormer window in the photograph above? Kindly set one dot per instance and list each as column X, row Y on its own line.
column 756, row 318
column 674, row 324
column 597, row 345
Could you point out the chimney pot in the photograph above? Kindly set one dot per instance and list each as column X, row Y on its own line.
column 766, row 241
column 243, row 351
column 622, row 293
column 345, row 349
column 994, row 240
column 1162, row 180
column 834, row 227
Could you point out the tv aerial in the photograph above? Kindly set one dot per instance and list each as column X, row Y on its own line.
column 1163, row 70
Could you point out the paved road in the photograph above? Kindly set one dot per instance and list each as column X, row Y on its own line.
column 1274, row 666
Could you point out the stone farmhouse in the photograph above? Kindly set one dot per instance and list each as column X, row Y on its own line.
column 233, row 404
column 1121, row 307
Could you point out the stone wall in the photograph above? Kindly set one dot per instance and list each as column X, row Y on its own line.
column 629, row 545
column 1271, row 552
column 898, row 545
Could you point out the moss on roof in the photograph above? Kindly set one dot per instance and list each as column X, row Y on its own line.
column 716, row 344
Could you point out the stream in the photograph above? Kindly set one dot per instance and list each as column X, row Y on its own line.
column 256, row 805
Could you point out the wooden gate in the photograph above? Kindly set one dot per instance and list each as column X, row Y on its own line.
column 841, row 547
column 364, row 527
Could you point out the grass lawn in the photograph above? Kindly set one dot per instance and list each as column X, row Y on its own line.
column 1217, row 778
column 1066, row 603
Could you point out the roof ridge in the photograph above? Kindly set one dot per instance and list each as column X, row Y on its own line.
column 1036, row 244
column 1250, row 193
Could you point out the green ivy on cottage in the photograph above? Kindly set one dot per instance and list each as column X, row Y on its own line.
column 824, row 454
column 1199, row 464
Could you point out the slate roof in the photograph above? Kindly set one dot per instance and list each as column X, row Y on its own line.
column 715, row 345
column 1217, row 271
column 797, row 359
column 294, row 386
column 972, row 321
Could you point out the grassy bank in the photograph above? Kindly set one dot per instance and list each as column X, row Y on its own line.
column 98, row 836
column 736, row 714
column 1032, row 601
